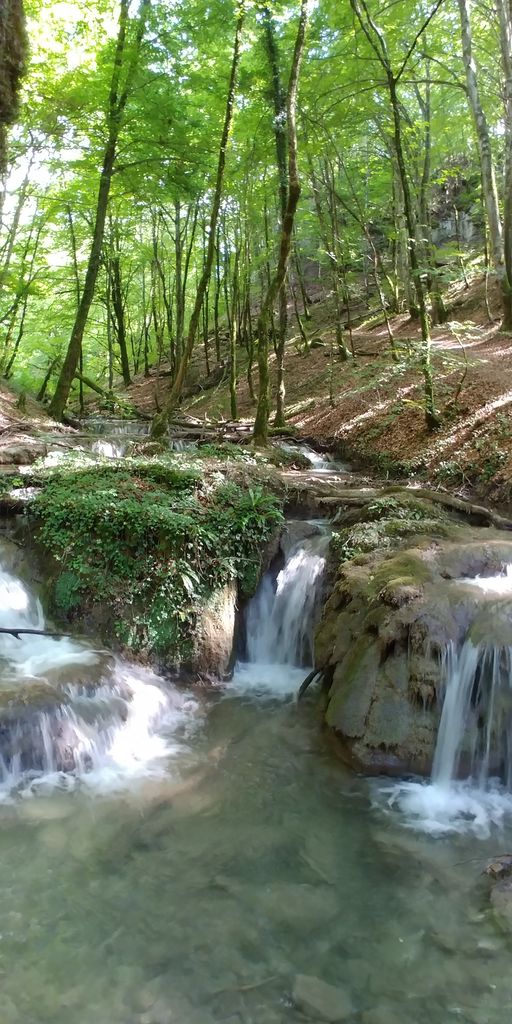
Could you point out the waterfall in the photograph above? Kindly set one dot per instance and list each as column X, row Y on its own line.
column 475, row 731
column 280, row 621
column 71, row 715
column 471, row 782
column 320, row 462
column 109, row 449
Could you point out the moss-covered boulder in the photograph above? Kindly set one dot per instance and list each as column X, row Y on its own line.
column 396, row 603
column 153, row 553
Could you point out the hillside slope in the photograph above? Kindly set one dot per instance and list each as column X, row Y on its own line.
column 375, row 416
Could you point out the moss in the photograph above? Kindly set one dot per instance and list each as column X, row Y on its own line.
column 390, row 507
column 148, row 542
column 403, row 569
column 384, row 523
column 356, row 540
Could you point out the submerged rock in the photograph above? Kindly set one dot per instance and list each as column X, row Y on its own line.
column 500, row 867
column 501, row 902
column 385, row 1013
column 320, row 1000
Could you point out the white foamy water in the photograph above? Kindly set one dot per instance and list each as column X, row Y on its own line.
column 320, row 462
column 499, row 584
column 474, row 739
column 109, row 449
column 258, row 679
column 439, row 809
column 280, row 623
column 29, row 654
column 118, row 723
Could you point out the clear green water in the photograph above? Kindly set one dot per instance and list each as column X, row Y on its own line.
column 199, row 899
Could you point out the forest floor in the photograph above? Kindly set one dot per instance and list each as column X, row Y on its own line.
column 24, row 426
column 375, row 418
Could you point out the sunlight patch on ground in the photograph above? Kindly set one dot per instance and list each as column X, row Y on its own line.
column 347, row 428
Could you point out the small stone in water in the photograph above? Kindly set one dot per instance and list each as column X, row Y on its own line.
column 384, row 1014
column 501, row 899
column 500, row 867
column 158, row 1014
column 324, row 1001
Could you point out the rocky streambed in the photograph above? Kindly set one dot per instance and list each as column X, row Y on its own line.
column 223, row 807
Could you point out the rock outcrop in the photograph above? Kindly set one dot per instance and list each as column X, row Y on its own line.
column 397, row 601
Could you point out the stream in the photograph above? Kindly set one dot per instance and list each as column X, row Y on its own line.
column 171, row 857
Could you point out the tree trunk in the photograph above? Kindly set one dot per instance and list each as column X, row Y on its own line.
column 13, row 46
column 431, row 416
column 116, row 108
column 505, row 16
column 279, row 102
column 262, row 412
column 233, row 336
column 9, row 248
column 378, row 43
column 118, row 307
column 483, row 140
column 46, row 380
column 178, row 283
column 425, row 201
column 161, row 420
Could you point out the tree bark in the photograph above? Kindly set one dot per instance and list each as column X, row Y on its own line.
column 260, row 435
column 279, row 103
column 116, row 108
column 483, row 140
column 13, row 48
column 505, row 16
column 161, row 420
column 378, row 44
column 178, row 282
column 118, row 308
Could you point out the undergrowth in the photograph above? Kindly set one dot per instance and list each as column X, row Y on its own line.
column 150, row 542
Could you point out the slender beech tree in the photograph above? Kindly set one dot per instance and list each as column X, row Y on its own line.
column 125, row 65
column 260, row 435
column 505, row 16
column 279, row 104
column 377, row 41
column 483, row 136
column 161, row 420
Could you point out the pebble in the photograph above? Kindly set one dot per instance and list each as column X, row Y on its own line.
column 321, row 1000
column 160, row 1013
column 383, row 1014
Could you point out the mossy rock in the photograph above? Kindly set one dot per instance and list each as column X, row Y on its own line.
column 32, row 697
column 405, row 569
column 141, row 548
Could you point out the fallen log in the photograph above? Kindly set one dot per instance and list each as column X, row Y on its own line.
column 466, row 507
column 34, row 632
column 93, row 386
column 307, row 682
column 449, row 501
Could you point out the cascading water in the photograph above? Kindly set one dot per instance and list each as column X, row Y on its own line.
column 280, row 621
column 475, row 731
column 72, row 715
column 471, row 781
column 320, row 462
column 109, row 449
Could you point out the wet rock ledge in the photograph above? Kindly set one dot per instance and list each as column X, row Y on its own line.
column 399, row 572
